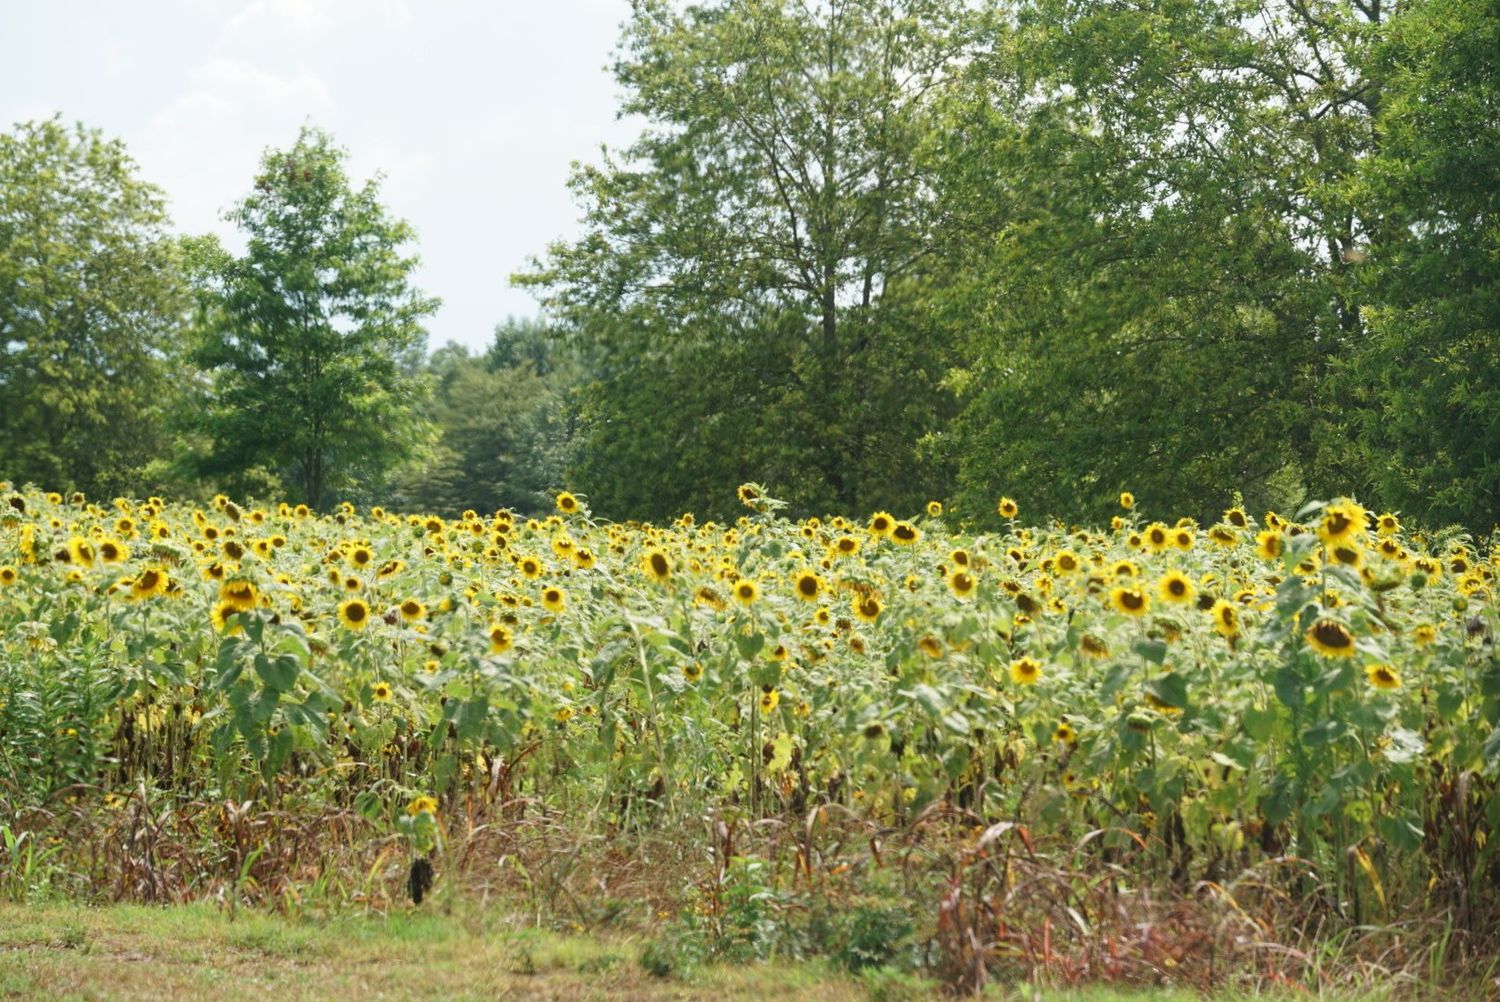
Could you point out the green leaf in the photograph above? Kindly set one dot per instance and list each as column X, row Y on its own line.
column 280, row 673
column 1153, row 651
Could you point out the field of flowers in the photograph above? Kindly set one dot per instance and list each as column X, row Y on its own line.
column 1321, row 686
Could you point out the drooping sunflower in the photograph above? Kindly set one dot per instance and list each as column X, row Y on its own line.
column 1330, row 638
column 1131, row 601
column 1175, row 587
column 354, row 614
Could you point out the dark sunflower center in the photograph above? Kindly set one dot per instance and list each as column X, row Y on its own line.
column 1331, row 634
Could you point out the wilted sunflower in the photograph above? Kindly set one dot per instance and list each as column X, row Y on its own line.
column 354, row 614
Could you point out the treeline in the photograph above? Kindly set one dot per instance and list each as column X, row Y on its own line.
column 865, row 252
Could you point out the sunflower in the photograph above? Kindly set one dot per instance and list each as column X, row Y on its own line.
column 151, row 581
column 1387, row 524
column 934, row 509
column 846, row 546
column 1343, row 520
column 380, row 692
column 1175, row 587
column 1007, row 508
column 1157, row 537
column 1383, row 676
column 692, row 671
column 583, row 558
column 239, row 593
column 769, row 698
column 1131, row 601
column 81, row 552
column 1127, row 500
column 567, row 503
column 1425, row 634
column 748, row 494
column 1236, row 517
column 657, row 565
column 531, row 567
column 881, row 523
column 412, row 609
column 112, row 551
column 1330, row 638
column 807, row 585
column 930, row 646
column 1269, row 544
column 221, row 616
column 1065, row 734
column 422, row 805
column 354, row 614
column 1347, row 554
column 961, row 583
column 360, row 556
column 500, row 638
column 1025, row 671
column 1226, row 617
column 905, row 533
column 8, row 575
column 746, row 592
column 867, row 608
column 553, row 599
column 1093, row 646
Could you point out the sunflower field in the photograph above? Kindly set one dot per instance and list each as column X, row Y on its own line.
column 1322, row 687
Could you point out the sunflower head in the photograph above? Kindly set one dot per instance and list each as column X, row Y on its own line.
column 354, row 614
column 1131, row 601
column 1025, row 671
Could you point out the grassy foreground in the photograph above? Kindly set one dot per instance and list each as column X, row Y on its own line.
column 198, row 951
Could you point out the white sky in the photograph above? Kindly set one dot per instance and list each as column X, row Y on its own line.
column 474, row 110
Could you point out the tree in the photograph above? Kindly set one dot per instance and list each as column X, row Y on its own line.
column 759, row 256
column 92, row 302
column 505, row 421
column 1427, row 381
column 1153, row 255
column 314, row 337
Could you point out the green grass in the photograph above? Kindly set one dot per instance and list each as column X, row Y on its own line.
column 62, row 952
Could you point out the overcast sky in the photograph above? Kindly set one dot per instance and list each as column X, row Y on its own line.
column 474, row 110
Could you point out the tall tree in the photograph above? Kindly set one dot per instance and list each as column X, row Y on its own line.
column 92, row 302
column 759, row 256
column 314, row 337
column 1427, row 380
column 1155, row 256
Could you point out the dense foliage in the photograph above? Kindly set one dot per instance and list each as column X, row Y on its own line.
column 865, row 252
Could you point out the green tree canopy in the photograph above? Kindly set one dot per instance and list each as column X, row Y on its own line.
column 754, row 266
column 92, row 303
column 314, row 337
